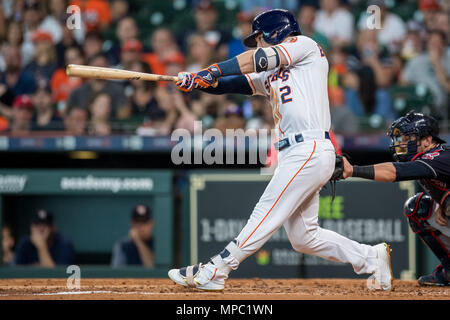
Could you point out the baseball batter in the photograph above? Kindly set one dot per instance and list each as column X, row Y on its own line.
column 292, row 71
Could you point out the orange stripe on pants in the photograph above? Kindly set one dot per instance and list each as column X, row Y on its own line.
column 280, row 196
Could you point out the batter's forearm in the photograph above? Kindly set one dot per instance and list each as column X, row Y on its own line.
column 245, row 61
column 231, row 85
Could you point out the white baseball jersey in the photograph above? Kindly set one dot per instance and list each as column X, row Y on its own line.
column 298, row 91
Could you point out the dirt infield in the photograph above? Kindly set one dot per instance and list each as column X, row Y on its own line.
column 242, row 289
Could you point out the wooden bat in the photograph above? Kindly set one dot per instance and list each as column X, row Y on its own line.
column 76, row 70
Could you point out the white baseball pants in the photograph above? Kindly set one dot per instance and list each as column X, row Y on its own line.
column 291, row 199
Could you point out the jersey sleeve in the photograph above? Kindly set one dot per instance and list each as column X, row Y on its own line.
column 298, row 49
column 256, row 82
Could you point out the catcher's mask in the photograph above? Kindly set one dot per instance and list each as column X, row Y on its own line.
column 406, row 133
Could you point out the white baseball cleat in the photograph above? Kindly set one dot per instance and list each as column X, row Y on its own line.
column 383, row 274
column 201, row 276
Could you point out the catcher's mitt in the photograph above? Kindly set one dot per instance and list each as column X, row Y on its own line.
column 338, row 169
column 338, row 174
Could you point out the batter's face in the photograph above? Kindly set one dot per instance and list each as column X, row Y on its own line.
column 260, row 43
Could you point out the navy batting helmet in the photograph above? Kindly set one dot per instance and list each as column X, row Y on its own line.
column 275, row 25
column 412, row 124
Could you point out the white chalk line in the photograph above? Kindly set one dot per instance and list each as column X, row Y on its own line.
column 60, row 293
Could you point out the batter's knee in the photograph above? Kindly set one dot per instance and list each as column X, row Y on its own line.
column 304, row 240
column 418, row 209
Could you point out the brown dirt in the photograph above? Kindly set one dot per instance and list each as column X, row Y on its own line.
column 242, row 289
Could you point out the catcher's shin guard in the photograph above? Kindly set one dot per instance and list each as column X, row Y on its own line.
column 418, row 209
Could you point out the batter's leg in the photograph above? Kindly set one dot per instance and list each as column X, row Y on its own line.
column 306, row 236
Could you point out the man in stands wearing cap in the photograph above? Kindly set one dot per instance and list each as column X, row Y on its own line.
column 44, row 247
column 131, row 52
column 137, row 249
column 22, row 113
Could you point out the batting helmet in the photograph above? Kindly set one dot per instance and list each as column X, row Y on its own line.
column 412, row 124
column 275, row 25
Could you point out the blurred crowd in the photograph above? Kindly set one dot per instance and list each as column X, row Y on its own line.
column 379, row 65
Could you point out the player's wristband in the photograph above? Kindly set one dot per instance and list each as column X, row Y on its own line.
column 366, row 172
column 226, row 68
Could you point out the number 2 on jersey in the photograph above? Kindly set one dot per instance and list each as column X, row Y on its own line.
column 285, row 92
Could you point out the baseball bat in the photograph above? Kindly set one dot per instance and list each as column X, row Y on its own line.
column 76, row 70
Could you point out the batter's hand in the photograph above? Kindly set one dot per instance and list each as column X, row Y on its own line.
column 207, row 77
column 186, row 82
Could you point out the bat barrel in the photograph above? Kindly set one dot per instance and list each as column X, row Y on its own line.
column 73, row 70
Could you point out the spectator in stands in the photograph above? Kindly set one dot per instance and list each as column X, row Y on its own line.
column 334, row 22
column 61, row 84
column 93, row 45
column 163, row 46
column 206, row 24
column 343, row 120
column 72, row 38
column 392, row 29
column 82, row 96
column 442, row 19
column 370, row 73
column 119, row 10
column 14, row 38
column 412, row 43
column 96, row 14
column 69, row 36
column 100, row 111
column 15, row 79
column 186, row 117
column 22, row 113
column 200, row 54
column 432, row 68
column 45, row 246
column 35, row 18
column 144, row 104
column 137, row 248
column 232, row 118
column 306, row 18
column 44, row 61
column 429, row 9
column 166, row 102
column 76, row 121
column 261, row 113
column 131, row 53
column 45, row 117
column 126, row 31
column 8, row 244
column 244, row 21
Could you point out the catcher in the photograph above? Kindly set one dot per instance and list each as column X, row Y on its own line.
column 420, row 155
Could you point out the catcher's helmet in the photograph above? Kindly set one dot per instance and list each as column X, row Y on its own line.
column 415, row 125
column 275, row 25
